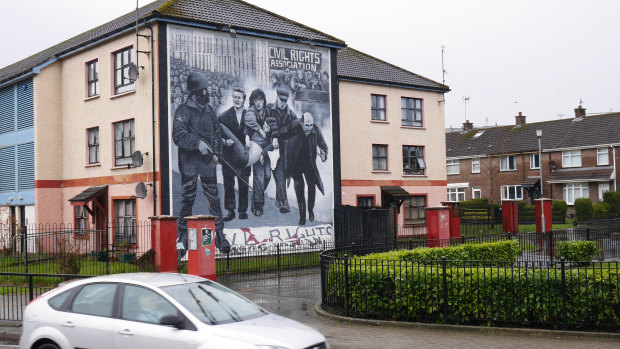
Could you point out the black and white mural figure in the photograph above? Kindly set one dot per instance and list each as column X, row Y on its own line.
column 246, row 110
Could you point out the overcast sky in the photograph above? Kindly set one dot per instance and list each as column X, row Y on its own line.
column 531, row 56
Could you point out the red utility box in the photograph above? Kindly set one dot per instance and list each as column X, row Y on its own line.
column 543, row 205
column 201, row 246
column 438, row 226
column 455, row 219
column 163, row 243
column 510, row 216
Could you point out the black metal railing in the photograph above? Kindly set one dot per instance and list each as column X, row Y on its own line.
column 559, row 294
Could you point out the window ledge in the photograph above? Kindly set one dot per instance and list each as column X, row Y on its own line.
column 381, row 171
column 123, row 94
column 453, row 174
column 413, row 127
column 97, row 164
column 91, row 98
column 380, row 121
column 121, row 167
column 507, row 170
column 413, row 175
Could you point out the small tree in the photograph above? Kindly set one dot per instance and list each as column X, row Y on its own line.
column 583, row 209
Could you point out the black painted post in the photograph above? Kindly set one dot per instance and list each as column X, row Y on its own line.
column 278, row 254
column 445, row 289
column 563, row 263
column 346, row 284
column 410, row 243
column 30, row 288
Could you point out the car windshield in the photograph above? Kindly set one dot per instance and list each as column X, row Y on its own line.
column 213, row 303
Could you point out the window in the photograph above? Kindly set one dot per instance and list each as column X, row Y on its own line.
column 379, row 157
column 413, row 160
column 126, row 220
column 602, row 156
column 534, row 161
column 571, row 158
column 377, row 107
column 124, row 142
column 453, row 167
column 507, row 163
column 81, row 218
column 456, row 194
column 475, row 165
column 411, row 111
column 95, row 299
column 512, row 192
column 122, row 60
column 573, row 191
column 142, row 304
column 92, row 77
column 415, row 210
column 365, row 201
column 476, row 193
column 93, row 145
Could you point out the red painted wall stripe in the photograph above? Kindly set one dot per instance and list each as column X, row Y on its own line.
column 395, row 182
column 83, row 182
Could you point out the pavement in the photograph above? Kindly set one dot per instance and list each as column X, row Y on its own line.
column 298, row 297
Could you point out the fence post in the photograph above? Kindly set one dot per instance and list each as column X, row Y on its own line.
column 346, row 285
column 563, row 263
column 588, row 234
column 25, row 246
column 410, row 243
column 107, row 260
column 30, row 288
column 278, row 256
column 445, row 289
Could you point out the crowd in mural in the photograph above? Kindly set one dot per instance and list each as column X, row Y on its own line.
column 211, row 125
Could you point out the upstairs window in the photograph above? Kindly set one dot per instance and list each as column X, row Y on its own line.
column 507, row 163
column 571, row 158
column 475, row 165
column 413, row 160
column 93, row 145
column 124, row 142
column 602, row 156
column 379, row 157
column 122, row 60
column 411, row 112
column 453, row 167
column 534, row 162
column 92, row 77
column 377, row 112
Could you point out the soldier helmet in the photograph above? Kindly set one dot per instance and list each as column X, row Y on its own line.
column 196, row 81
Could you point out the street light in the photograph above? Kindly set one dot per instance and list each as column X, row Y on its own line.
column 542, row 202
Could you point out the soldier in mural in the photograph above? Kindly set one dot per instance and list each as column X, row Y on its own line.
column 301, row 163
column 285, row 119
column 196, row 132
column 232, row 122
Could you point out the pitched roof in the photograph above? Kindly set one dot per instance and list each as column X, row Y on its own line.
column 89, row 193
column 603, row 174
column 356, row 65
column 557, row 134
column 230, row 13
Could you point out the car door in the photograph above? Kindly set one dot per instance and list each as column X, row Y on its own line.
column 88, row 323
column 138, row 326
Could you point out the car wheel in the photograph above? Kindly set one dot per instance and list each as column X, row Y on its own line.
column 48, row 345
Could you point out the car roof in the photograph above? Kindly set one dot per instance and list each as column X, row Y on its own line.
column 153, row 279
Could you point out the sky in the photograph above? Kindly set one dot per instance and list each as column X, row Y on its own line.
column 500, row 57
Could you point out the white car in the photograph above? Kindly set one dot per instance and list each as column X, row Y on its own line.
column 157, row 310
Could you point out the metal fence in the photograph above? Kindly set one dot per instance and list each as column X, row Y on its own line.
column 559, row 295
column 412, row 231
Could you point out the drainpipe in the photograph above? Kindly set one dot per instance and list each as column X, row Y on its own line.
column 613, row 149
column 153, row 117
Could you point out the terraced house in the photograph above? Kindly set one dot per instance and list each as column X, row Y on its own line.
column 579, row 159
column 91, row 131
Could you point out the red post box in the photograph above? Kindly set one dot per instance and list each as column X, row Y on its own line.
column 543, row 206
column 510, row 216
column 201, row 246
column 438, row 226
column 163, row 243
column 455, row 219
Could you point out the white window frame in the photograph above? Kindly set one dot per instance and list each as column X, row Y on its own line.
column 533, row 157
column 505, row 162
column 475, row 165
column 475, row 190
column 456, row 194
column 602, row 152
column 573, row 191
column 453, row 163
column 571, row 158
column 506, row 192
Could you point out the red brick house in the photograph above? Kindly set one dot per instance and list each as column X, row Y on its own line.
column 579, row 159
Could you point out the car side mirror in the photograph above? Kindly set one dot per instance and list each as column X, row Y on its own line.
column 173, row 320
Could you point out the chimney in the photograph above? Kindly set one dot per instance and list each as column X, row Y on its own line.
column 468, row 126
column 520, row 119
column 580, row 112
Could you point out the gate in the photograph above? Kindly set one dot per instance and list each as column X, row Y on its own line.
column 355, row 225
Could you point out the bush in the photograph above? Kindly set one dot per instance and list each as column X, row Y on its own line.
column 580, row 250
column 559, row 209
column 474, row 204
column 602, row 210
column 583, row 209
column 613, row 199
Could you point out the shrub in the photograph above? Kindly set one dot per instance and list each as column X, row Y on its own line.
column 613, row 199
column 558, row 210
column 579, row 250
column 583, row 209
column 69, row 259
column 602, row 210
column 474, row 204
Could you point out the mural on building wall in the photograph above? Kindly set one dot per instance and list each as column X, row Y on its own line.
column 251, row 138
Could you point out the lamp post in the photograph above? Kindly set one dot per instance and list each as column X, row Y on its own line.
column 542, row 203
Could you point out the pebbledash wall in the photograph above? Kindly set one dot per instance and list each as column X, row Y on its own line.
column 64, row 113
column 359, row 133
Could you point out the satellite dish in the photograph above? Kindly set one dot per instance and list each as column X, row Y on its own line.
column 132, row 72
column 553, row 165
column 141, row 190
column 136, row 159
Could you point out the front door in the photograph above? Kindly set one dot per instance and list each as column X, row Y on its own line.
column 602, row 188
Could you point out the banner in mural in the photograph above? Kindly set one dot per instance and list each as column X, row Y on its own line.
column 250, row 138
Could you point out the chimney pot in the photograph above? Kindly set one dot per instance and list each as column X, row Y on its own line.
column 580, row 112
column 468, row 126
column 520, row 119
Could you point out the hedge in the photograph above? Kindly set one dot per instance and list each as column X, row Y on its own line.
column 579, row 250
column 408, row 291
column 583, row 209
